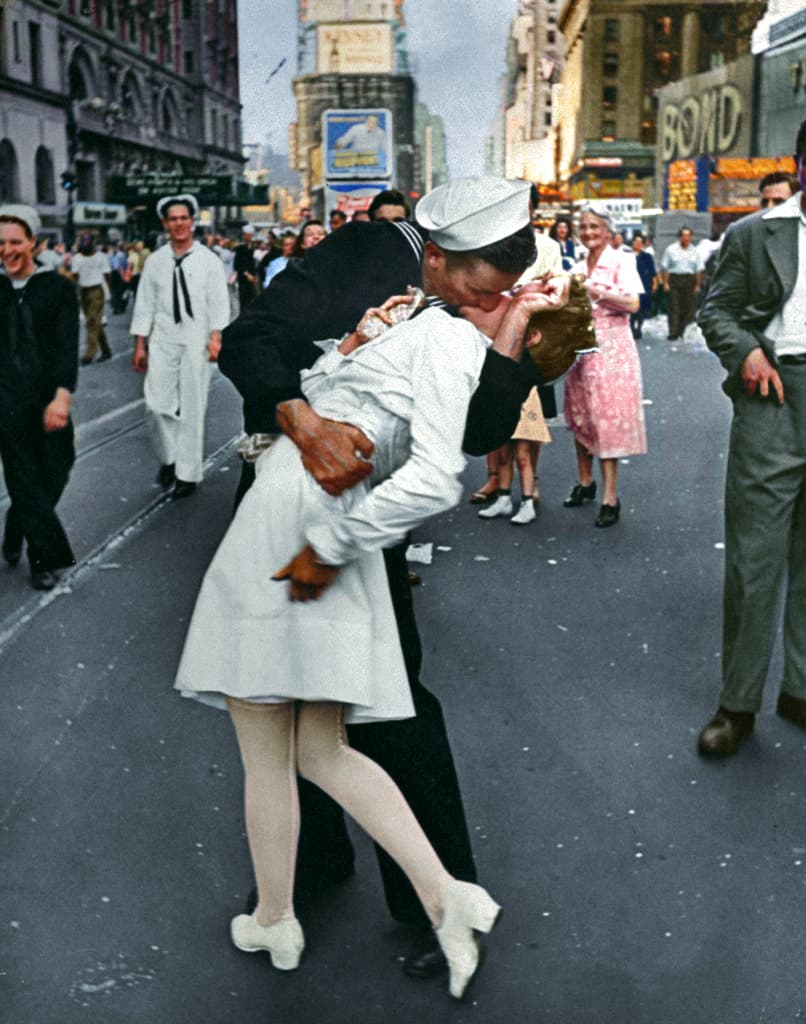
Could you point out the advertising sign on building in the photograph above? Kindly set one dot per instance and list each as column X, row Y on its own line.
column 358, row 143
column 707, row 114
column 352, row 196
column 355, row 49
column 314, row 12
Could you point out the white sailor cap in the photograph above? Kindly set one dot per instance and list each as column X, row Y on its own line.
column 27, row 214
column 469, row 213
column 186, row 199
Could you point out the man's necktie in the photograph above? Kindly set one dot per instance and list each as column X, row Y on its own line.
column 180, row 275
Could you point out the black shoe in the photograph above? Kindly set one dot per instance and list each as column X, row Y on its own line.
column 182, row 489
column 579, row 495
column 11, row 556
column 102, row 358
column 427, row 962
column 166, row 475
column 44, row 579
column 723, row 734
column 608, row 515
column 86, row 360
column 793, row 709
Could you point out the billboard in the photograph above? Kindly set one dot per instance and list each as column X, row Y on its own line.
column 352, row 196
column 357, row 49
column 313, row 12
column 358, row 143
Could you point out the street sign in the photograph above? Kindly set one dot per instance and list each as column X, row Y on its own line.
column 98, row 214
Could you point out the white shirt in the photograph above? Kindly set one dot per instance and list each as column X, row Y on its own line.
column 787, row 329
column 91, row 270
column 408, row 391
column 207, row 286
column 549, row 259
column 677, row 260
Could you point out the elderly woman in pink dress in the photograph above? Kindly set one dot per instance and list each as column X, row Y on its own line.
column 603, row 392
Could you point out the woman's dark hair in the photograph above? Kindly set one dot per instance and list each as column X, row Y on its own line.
column 553, row 228
column 512, row 255
column 298, row 250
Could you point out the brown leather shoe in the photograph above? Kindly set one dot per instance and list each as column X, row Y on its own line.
column 726, row 730
column 793, row 709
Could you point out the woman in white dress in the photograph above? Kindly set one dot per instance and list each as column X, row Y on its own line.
column 291, row 672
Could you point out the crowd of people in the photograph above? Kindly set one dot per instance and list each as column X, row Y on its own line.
column 371, row 363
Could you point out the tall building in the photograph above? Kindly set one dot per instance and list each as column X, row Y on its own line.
column 91, row 91
column 617, row 54
column 355, row 131
column 522, row 143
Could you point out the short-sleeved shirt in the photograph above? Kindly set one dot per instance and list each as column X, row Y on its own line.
column 677, row 260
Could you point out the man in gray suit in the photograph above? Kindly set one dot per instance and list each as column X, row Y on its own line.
column 754, row 319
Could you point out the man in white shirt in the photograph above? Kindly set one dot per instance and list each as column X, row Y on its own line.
column 90, row 268
column 181, row 308
column 754, row 319
column 681, row 267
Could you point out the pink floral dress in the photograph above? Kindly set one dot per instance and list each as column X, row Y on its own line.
column 603, row 390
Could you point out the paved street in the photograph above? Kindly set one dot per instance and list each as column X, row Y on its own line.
column 640, row 884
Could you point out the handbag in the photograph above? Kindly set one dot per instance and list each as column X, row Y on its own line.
column 567, row 332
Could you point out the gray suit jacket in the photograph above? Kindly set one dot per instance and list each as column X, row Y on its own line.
column 755, row 274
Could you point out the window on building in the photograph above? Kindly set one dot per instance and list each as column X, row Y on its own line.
column 9, row 173
column 187, row 9
column 663, row 26
column 663, row 65
column 714, row 25
column 131, row 27
column 45, row 178
column 648, row 133
column 612, row 30
column 547, row 119
column 609, row 131
column 152, row 38
column 15, row 41
column 35, row 51
column 109, row 15
column 213, row 128
column 609, row 97
column 610, row 65
column 189, row 62
column 224, row 131
column 551, row 37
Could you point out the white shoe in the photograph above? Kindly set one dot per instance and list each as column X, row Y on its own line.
column 502, row 506
column 283, row 941
column 467, row 909
column 525, row 514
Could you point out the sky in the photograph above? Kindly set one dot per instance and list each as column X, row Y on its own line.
column 456, row 52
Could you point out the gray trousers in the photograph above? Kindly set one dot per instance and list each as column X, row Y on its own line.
column 765, row 538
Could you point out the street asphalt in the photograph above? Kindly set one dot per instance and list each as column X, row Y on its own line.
column 640, row 884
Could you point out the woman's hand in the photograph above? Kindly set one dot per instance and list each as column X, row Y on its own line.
column 57, row 412
column 309, row 577
column 214, row 346
column 377, row 319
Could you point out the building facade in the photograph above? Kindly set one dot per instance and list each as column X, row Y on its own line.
column 617, row 55
column 353, row 67
column 523, row 139
column 92, row 92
